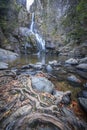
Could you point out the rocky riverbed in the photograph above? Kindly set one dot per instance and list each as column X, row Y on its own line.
column 27, row 99
column 39, row 96
column 43, row 95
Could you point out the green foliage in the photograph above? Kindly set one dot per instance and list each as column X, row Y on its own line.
column 76, row 21
column 9, row 14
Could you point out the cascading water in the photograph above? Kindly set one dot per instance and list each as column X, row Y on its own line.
column 40, row 41
column 28, row 4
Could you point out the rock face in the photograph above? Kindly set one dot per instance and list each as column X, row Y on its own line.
column 41, row 84
column 48, row 18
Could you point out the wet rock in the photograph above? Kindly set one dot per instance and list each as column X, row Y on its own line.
column 3, row 65
column 63, row 97
column 82, row 73
column 81, row 69
column 7, row 55
column 57, row 93
column 85, row 85
column 70, row 117
column 74, row 80
column 72, row 61
column 66, row 99
column 42, row 84
column 83, row 103
column 37, row 66
column 83, row 94
column 52, row 62
column 25, row 67
column 83, row 60
column 49, row 68
column 70, row 68
column 82, row 66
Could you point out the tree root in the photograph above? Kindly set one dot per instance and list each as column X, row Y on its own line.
column 36, row 109
column 42, row 118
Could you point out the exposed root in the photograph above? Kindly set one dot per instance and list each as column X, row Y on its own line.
column 42, row 118
column 35, row 106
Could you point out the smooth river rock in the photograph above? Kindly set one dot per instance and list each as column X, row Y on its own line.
column 72, row 61
column 83, row 60
column 7, row 55
column 42, row 84
column 82, row 66
column 3, row 65
column 73, row 79
column 83, row 103
column 83, row 94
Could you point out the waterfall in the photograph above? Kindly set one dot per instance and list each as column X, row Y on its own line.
column 40, row 41
column 32, row 24
column 28, row 4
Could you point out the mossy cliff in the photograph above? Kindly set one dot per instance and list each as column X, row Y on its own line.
column 59, row 21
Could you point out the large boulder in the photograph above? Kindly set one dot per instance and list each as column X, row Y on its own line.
column 7, row 55
column 83, row 103
column 42, row 84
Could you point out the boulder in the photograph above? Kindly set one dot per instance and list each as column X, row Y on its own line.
column 7, row 55
column 72, row 61
column 83, row 103
column 53, row 62
column 37, row 66
column 74, row 80
column 63, row 97
column 3, row 65
column 83, row 60
column 82, row 73
column 49, row 68
column 82, row 66
column 83, row 94
column 42, row 84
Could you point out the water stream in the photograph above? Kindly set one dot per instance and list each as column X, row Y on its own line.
column 40, row 40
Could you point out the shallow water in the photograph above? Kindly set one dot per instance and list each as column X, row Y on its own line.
column 34, row 58
column 60, row 83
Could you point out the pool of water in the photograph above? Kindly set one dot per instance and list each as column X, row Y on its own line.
column 34, row 58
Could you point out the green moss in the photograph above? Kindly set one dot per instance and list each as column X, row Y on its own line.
column 76, row 21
